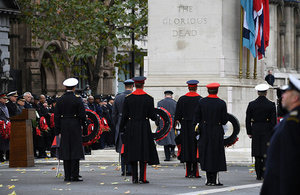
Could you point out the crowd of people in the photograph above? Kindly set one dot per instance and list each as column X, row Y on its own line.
column 12, row 104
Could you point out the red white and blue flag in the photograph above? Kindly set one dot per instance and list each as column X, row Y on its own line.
column 256, row 13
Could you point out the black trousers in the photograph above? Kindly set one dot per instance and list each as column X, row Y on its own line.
column 134, row 168
column 71, row 168
column 191, row 169
column 212, row 177
column 259, row 166
column 169, row 149
column 128, row 167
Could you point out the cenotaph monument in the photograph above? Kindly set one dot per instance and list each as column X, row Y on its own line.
column 200, row 39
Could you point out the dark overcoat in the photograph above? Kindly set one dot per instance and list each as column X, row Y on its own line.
column 283, row 157
column 69, row 115
column 170, row 105
column 211, row 114
column 12, row 108
column 184, row 113
column 117, row 116
column 260, row 120
column 139, row 143
column 4, row 115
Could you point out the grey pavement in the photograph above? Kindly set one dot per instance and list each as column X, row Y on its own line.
column 105, row 178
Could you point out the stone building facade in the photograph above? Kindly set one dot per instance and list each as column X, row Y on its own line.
column 23, row 67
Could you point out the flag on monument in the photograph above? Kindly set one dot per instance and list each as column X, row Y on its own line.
column 266, row 22
column 258, row 16
column 248, row 27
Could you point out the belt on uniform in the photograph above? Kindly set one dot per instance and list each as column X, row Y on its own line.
column 211, row 123
column 139, row 119
column 68, row 116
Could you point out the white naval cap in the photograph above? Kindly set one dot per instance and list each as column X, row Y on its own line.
column 294, row 83
column 70, row 82
column 262, row 87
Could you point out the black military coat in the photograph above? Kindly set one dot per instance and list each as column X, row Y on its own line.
column 117, row 116
column 139, row 143
column 68, row 115
column 12, row 108
column 184, row 113
column 283, row 157
column 211, row 114
column 260, row 120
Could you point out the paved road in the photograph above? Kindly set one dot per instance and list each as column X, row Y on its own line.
column 105, row 179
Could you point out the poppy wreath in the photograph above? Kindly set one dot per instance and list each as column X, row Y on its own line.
column 94, row 128
column 104, row 125
column 233, row 138
column 5, row 130
column 43, row 124
column 52, row 124
column 165, row 116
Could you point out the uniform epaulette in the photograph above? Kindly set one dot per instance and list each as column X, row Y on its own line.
column 294, row 113
column 149, row 95
column 292, row 118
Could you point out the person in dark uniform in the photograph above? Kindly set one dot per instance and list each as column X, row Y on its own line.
column 4, row 116
column 116, row 119
column 169, row 141
column 69, row 116
column 283, row 157
column 12, row 104
column 111, row 134
column 184, row 114
column 138, row 141
column 270, row 78
column 45, row 141
column 211, row 114
column 260, row 120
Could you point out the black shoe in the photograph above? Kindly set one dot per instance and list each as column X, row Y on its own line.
column 135, row 181
column 76, row 179
column 67, row 179
column 122, row 174
column 142, row 181
column 167, row 160
column 217, row 184
column 2, row 159
column 189, row 176
column 128, row 174
column 258, row 178
column 208, row 184
column 194, row 176
column 42, row 156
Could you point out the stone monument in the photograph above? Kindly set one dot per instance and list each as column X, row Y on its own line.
column 199, row 39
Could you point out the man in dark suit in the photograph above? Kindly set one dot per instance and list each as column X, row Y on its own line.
column 270, row 78
column 283, row 156
column 260, row 120
column 43, row 142
column 69, row 116
column 211, row 114
column 116, row 119
column 169, row 141
column 184, row 114
column 138, row 141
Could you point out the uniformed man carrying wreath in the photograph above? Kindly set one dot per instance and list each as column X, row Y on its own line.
column 260, row 120
column 211, row 114
column 116, row 117
column 69, row 115
column 283, row 156
column 138, row 141
column 184, row 114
